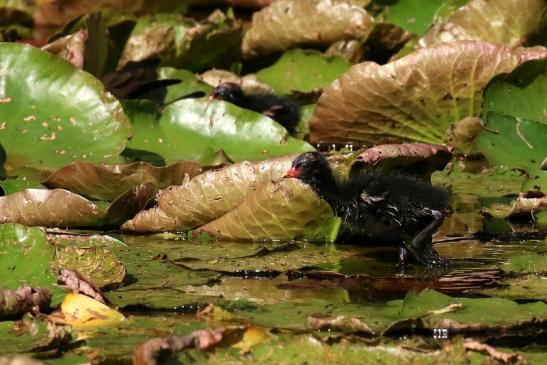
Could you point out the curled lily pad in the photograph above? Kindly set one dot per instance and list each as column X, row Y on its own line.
column 289, row 209
column 249, row 83
column 62, row 208
column 207, row 196
column 183, row 42
column 36, row 114
column 107, row 182
column 69, row 47
column 287, row 24
column 416, row 158
column 509, row 22
column 414, row 98
column 24, row 299
column 196, row 129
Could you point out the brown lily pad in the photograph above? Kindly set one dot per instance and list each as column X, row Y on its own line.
column 414, row 98
column 62, row 208
column 509, row 22
column 288, row 24
column 416, row 158
column 107, row 182
column 288, row 209
column 207, row 196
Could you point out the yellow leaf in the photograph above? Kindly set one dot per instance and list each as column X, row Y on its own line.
column 82, row 313
column 251, row 337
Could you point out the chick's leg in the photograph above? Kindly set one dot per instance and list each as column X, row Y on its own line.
column 421, row 245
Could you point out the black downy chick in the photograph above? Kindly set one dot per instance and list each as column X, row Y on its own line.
column 282, row 110
column 390, row 207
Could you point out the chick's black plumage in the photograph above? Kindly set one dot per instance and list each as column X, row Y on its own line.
column 280, row 109
column 390, row 207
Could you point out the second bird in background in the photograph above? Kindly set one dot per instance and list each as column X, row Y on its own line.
column 282, row 110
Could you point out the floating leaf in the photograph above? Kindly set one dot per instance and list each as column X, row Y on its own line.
column 84, row 313
column 26, row 257
column 62, row 208
column 415, row 158
column 302, row 70
column 36, row 114
column 287, row 24
column 509, row 22
column 207, row 196
column 414, row 98
column 196, row 129
column 412, row 15
column 289, row 209
column 107, row 182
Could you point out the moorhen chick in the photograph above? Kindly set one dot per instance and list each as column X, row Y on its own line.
column 390, row 207
column 280, row 109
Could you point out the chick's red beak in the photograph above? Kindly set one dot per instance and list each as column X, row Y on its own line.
column 214, row 96
column 293, row 172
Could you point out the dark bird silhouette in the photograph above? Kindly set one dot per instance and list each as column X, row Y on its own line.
column 391, row 207
column 282, row 110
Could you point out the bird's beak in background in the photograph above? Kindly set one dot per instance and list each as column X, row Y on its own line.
column 293, row 172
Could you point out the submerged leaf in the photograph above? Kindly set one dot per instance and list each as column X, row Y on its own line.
column 414, row 98
column 60, row 119
column 289, row 209
column 107, row 182
column 287, row 24
column 207, row 196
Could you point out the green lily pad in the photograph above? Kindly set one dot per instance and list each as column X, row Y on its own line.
column 37, row 115
column 10, row 186
column 32, row 335
column 108, row 182
column 289, row 209
column 413, row 98
column 529, row 262
column 515, row 142
column 183, row 42
column 411, row 15
column 196, row 129
column 528, row 287
column 287, row 24
column 26, row 258
column 189, row 84
column 480, row 20
column 90, row 256
column 302, row 70
column 207, row 196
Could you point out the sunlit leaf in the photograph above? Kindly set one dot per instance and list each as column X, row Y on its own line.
column 84, row 313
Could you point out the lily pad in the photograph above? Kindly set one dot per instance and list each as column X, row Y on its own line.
column 289, row 209
column 411, row 15
column 414, row 98
column 26, row 259
column 196, row 129
column 288, row 24
column 510, row 23
column 528, row 287
column 420, row 159
column 37, row 115
column 207, row 196
column 107, row 182
column 302, row 70
column 189, row 84
column 183, row 42
column 62, row 208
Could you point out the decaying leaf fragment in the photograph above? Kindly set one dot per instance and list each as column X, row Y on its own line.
column 287, row 24
column 150, row 352
column 24, row 299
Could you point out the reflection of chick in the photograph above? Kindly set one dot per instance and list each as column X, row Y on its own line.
column 280, row 109
column 390, row 207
